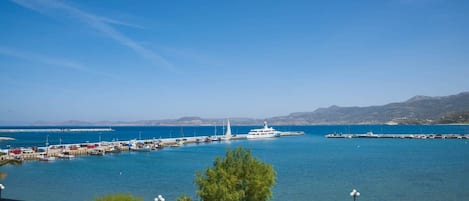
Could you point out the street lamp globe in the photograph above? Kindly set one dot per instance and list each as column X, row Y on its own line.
column 1, row 189
column 354, row 194
column 159, row 198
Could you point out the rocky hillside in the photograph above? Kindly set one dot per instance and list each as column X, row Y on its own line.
column 419, row 109
column 455, row 118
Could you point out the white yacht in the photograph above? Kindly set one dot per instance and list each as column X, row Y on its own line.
column 265, row 132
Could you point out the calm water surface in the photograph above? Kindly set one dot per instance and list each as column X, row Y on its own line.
column 309, row 167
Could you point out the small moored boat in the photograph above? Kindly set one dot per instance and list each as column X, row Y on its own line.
column 97, row 152
column 66, row 155
column 46, row 158
column 145, row 148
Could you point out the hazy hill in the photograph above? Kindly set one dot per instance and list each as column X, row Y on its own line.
column 455, row 118
column 416, row 110
column 419, row 109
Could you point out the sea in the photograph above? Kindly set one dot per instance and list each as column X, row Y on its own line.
column 308, row 167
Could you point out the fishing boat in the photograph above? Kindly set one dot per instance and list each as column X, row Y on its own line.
column 97, row 152
column 113, row 150
column 140, row 146
column 66, row 155
column 46, row 157
column 265, row 132
column 145, row 148
column 178, row 143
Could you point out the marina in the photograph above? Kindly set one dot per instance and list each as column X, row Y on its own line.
column 101, row 148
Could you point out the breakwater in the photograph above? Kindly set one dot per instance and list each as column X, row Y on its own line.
column 400, row 136
column 54, row 130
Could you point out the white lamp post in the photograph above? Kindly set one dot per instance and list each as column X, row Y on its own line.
column 1, row 189
column 159, row 198
column 354, row 194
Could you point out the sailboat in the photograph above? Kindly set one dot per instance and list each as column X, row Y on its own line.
column 46, row 157
column 214, row 138
column 227, row 135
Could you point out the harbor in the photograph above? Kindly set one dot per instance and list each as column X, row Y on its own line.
column 399, row 136
column 304, row 164
column 101, row 148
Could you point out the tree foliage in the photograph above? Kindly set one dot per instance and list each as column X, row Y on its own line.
column 237, row 177
column 184, row 198
column 119, row 197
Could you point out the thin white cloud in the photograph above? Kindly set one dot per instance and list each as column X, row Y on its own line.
column 99, row 23
column 63, row 63
column 117, row 22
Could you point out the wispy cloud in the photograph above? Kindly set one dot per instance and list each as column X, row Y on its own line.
column 101, row 24
column 59, row 62
column 121, row 23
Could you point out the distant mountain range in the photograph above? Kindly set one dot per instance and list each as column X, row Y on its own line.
column 417, row 110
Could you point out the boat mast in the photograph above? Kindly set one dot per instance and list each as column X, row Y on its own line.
column 223, row 128
column 215, row 129
column 47, row 145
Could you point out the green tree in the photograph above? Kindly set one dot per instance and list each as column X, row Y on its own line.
column 237, row 177
column 184, row 198
column 119, row 197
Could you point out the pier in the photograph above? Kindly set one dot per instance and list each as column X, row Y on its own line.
column 69, row 151
column 400, row 136
column 291, row 133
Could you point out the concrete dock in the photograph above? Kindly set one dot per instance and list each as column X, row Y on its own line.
column 400, row 136
column 101, row 148
column 55, row 130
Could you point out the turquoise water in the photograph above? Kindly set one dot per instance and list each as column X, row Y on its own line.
column 309, row 167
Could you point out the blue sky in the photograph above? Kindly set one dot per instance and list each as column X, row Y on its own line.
column 128, row 60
